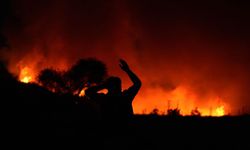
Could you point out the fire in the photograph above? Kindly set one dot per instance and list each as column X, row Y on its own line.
column 82, row 92
column 26, row 75
column 182, row 97
column 26, row 79
column 219, row 111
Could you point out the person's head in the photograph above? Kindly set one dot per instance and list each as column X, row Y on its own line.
column 114, row 84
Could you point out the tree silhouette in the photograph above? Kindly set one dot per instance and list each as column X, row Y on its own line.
column 52, row 80
column 82, row 73
column 85, row 71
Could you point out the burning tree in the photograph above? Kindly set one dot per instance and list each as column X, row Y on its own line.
column 84, row 72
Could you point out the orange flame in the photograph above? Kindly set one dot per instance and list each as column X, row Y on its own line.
column 182, row 98
column 26, row 75
column 82, row 92
column 219, row 111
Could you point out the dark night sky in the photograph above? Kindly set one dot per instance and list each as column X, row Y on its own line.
column 199, row 46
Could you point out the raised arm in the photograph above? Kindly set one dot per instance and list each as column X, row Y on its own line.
column 133, row 77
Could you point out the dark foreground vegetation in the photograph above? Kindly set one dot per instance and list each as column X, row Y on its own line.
column 35, row 117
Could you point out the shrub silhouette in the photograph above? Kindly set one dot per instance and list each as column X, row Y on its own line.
column 173, row 112
column 155, row 111
column 52, row 80
column 195, row 112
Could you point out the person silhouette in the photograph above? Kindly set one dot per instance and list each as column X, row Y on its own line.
column 116, row 104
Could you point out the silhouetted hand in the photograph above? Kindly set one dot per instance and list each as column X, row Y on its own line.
column 124, row 66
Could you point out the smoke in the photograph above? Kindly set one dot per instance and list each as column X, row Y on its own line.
column 202, row 46
column 187, row 54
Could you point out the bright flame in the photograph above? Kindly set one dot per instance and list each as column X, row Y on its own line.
column 26, row 79
column 25, row 75
column 182, row 97
column 104, row 91
column 82, row 93
column 219, row 111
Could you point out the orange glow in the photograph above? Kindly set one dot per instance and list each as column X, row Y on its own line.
column 184, row 60
column 181, row 97
column 219, row 111
column 26, row 75
column 104, row 91
column 82, row 93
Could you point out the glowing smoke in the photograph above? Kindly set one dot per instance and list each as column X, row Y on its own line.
column 187, row 54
